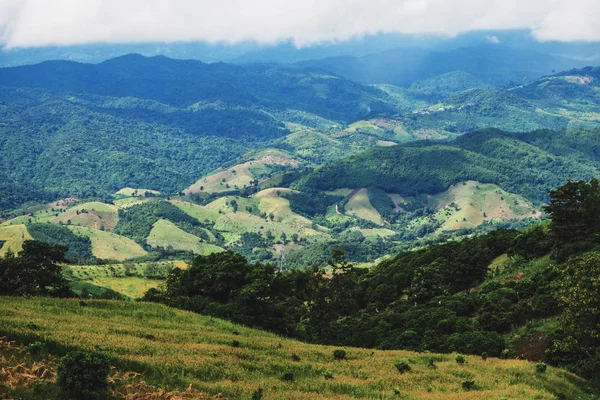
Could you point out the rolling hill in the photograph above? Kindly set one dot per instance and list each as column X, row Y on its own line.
column 180, row 350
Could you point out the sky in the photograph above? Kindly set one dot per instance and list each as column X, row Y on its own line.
column 33, row 23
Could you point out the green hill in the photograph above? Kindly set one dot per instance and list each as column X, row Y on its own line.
column 175, row 349
column 528, row 164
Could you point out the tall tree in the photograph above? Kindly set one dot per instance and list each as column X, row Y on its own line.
column 575, row 211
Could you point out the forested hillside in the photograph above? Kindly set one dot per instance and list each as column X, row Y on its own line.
column 526, row 163
column 494, row 64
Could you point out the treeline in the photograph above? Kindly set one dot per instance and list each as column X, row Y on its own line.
column 529, row 164
column 442, row 298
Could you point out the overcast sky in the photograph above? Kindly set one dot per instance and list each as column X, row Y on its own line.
column 26, row 23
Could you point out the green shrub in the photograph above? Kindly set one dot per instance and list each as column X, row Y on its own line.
column 431, row 363
column 339, row 354
column 36, row 348
column 484, row 355
column 541, row 367
column 288, row 376
column 235, row 343
column 34, row 326
column 460, row 360
column 258, row 394
column 468, row 385
column 83, row 375
column 328, row 375
column 295, row 357
column 402, row 367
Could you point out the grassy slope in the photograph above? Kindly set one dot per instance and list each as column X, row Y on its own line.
column 98, row 214
column 469, row 204
column 165, row 233
column 360, row 206
column 13, row 236
column 197, row 211
column 240, row 175
column 129, row 192
column 109, row 246
column 193, row 349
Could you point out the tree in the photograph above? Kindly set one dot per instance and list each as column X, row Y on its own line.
column 579, row 345
column 575, row 211
column 34, row 271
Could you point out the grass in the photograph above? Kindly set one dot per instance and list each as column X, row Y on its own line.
column 240, row 175
column 360, row 206
column 469, row 204
column 166, row 234
column 197, row 211
column 14, row 236
column 131, row 286
column 132, row 192
column 109, row 246
column 96, row 215
column 125, row 278
column 190, row 349
column 374, row 233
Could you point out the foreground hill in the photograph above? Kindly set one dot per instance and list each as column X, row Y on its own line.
column 176, row 349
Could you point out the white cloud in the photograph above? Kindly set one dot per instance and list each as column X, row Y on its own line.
column 25, row 23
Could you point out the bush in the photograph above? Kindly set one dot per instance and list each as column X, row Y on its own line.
column 36, row 348
column 339, row 354
column 431, row 364
column 328, row 375
column 460, row 360
column 235, row 343
column 83, row 376
column 540, row 367
column 288, row 376
column 34, row 326
column 258, row 394
column 402, row 367
column 484, row 355
column 295, row 357
column 468, row 385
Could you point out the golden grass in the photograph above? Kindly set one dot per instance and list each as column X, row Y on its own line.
column 360, row 206
column 192, row 349
column 109, row 246
column 129, row 192
column 14, row 236
column 98, row 215
column 195, row 210
column 469, row 204
column 131, row 286
column 240, row 175
column 164, row 233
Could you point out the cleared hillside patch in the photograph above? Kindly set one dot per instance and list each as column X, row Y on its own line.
column 13, row 238
column 197, row 211
column 109, row 246
column 359, row 205
column 95, row 215
column 241, row 175
column 469, row 204
column 166, row 234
